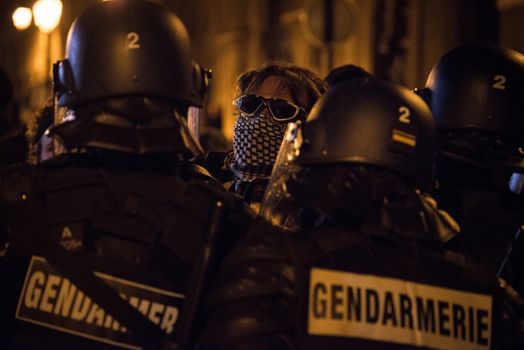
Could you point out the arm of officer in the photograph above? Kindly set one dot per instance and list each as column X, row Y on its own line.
column 251, row 303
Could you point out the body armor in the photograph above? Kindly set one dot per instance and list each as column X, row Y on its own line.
column 83, row 232
column 344, row 289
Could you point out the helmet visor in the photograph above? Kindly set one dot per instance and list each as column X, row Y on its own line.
column 278, row 205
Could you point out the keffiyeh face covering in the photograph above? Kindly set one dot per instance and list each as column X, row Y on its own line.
column 256, row 142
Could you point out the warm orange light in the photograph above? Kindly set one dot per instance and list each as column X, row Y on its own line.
column 47, row 14
column 22, row 18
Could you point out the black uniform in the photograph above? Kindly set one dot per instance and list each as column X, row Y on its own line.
column 107, row 239
column 345, row 289
column 487, row 212
column 138, row 228
column 475, row 94
column 358, row 258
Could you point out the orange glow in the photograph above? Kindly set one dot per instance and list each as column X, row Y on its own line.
column 47, row 14
column 22, row 18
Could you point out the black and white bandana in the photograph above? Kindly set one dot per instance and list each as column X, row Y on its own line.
column 256, row 142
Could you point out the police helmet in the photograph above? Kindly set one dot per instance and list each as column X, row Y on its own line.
column 480, row 88
column 345, row 73
column 124, row 48
column 375, row 123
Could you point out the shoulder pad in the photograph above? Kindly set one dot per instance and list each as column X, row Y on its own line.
column 259, row 266
column 264, row 241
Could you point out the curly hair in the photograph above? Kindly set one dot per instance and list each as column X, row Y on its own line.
column 304, row 85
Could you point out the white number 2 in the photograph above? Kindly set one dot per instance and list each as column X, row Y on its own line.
column 404, row 115
column 500, row 81
column 133, row 40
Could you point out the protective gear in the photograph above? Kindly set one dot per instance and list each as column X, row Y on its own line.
column 489, row 215
column 289, row 202
column 99, row 127
column 193, row 121
column 256, row 142
column 119, row 84
column 344, row 288
column 399, row 137
column 92, row 232
column 479, row 88
column 278, row 206
column 396, row 134
column 375, row 123
column 346, row 72
column 366, row 266
column 475, row 94
column 119, row 218
column 113, row 50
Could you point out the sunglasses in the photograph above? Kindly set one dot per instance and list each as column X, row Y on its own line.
column 281, row 110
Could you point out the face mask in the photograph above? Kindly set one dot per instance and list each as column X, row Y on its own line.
column 256, row 142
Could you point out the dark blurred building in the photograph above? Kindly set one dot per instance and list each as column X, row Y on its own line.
column 398, row 40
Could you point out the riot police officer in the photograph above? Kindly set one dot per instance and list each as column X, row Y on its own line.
column 475, row 93
column 106, row 232
column 358, row 260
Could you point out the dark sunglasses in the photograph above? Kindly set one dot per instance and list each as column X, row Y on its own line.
column 280, row 109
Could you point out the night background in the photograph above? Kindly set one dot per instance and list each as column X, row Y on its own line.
column 397, row 40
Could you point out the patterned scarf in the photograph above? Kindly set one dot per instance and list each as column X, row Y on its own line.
column 256, row 142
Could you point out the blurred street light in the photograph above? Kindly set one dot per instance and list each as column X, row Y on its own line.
column 47, row 14
column 22, row 18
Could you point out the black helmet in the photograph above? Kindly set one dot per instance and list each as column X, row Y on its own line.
column 481, row 88
column 127, row 80
column 345, row 73
column 125, row 48
column 375, row 123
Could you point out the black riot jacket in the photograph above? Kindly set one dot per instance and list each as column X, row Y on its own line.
column 336, row 288
column 84, row 233
column 488, row 213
